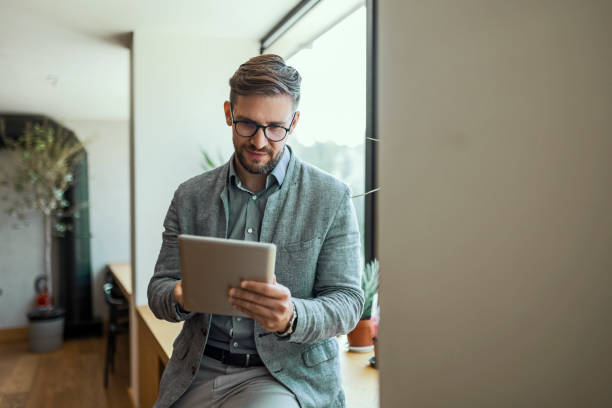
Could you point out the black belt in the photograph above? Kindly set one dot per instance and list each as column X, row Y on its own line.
column 233, row 359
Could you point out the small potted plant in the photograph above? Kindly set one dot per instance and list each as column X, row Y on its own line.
column 41, row 160
column 360, row 339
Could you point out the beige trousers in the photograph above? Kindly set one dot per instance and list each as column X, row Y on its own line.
column 222, row 386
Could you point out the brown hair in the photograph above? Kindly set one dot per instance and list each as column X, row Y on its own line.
column 265, row 75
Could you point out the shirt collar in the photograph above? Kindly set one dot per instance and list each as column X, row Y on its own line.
column 279, row 172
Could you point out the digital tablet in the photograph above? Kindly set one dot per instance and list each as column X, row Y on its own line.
column 209, row 266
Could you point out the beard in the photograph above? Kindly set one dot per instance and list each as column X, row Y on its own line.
column 254, row 168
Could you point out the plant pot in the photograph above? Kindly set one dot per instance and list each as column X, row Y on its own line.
column 360, row 338
column 46, row 329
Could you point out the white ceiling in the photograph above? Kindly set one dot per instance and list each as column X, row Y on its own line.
column 67, row 58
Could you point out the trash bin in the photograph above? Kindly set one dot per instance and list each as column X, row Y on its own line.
column 46, row 330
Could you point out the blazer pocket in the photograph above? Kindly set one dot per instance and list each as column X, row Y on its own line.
column 320, row 352
column 301, row 245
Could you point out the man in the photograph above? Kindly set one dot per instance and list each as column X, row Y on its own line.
column 285, row 354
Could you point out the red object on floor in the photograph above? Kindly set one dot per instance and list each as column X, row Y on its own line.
column 43, row 300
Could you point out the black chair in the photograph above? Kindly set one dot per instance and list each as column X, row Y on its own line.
column 118, row 320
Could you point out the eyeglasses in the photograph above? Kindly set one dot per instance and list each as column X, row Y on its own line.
column 248, row 128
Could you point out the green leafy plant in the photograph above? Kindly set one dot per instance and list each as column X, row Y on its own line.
column 208, row 163
column 41, row 162
column 369, row 284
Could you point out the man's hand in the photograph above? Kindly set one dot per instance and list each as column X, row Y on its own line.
column 178, row 293
column 267, row 303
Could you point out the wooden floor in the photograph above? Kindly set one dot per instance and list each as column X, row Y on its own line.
column 70, row 377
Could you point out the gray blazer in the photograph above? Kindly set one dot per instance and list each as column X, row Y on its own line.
column 312, row 221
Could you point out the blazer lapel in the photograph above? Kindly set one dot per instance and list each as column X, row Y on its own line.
column 276, row 205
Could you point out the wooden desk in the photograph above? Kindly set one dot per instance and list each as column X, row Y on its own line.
column 122, row 272
column 163, row 333
column 359, row 380
column 155, row 338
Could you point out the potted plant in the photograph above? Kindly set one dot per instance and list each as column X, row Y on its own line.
column 42, row 159
column 360, row 339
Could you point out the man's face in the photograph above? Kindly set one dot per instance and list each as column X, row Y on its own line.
column 256, row 154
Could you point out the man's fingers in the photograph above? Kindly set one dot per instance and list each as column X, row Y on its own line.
column 266, row 289
column 178, row 293
column 264, row 321
column 263, row 311
column 253, row 297
column 267, row 303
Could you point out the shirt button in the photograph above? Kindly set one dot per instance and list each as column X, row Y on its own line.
column 250, row 230
column 238, row 319
column 254, row 198
column 235, row 344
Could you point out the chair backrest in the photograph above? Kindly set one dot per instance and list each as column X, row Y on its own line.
column 112, row 293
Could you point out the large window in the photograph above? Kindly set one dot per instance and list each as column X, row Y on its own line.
column 331, row 132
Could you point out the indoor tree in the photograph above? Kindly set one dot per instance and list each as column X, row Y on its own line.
column 40, row 170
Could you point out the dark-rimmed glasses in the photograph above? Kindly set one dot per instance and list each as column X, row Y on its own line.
column 248, row 128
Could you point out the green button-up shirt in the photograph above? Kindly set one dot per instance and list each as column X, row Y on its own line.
column 246, row 211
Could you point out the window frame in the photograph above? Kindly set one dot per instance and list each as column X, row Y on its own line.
column 372, row 137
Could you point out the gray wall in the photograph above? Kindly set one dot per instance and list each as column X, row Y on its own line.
column 496, row 205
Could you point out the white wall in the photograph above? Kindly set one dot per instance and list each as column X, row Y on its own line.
column 179, row 84
column 495, row 213
column 109, row 199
